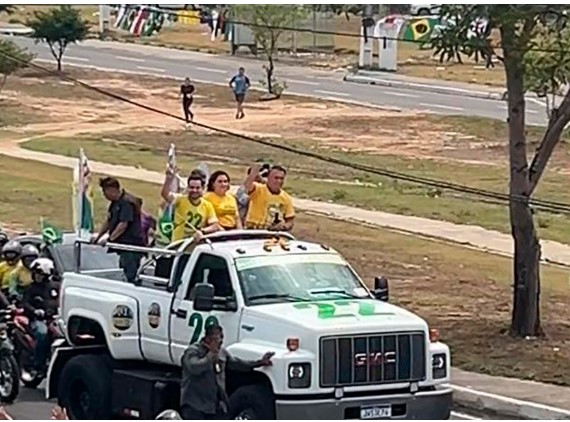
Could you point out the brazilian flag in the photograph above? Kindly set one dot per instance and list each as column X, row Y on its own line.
column 165, row 227
column 50, row 233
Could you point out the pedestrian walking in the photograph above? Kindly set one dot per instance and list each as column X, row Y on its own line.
column 240, row 84
column 187, row 94
column 123, row 225
column 204, row 364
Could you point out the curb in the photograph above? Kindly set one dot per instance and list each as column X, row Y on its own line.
column 505, row 406
column 440, row 89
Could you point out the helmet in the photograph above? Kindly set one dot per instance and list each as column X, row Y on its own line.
column 3, row 239
column 169, row 414
column 12, row 250
column 29, row 254
column 43, row 266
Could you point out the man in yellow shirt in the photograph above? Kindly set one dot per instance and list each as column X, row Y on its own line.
column 193, row 215
column 21, row 277
column 11, row 252
column 270, row 207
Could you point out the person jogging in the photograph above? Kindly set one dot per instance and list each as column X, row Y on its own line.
column 187, row 94
column 240, row 84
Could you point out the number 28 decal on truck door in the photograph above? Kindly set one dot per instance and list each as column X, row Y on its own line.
column 197, row 322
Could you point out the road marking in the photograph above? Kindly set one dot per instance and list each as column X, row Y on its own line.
column 209, row 69
column 506, row 108
column 537, row 101
column 130, row 59
column 400, row 94
column 79, row 59
column 340, row 94
column 464, row 416
column 152, row 69
column 297, row 81
column 443, row 107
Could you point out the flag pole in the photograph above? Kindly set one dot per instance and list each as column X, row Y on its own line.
column 79, row 196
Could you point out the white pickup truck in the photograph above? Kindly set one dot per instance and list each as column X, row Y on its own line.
column 341, row 351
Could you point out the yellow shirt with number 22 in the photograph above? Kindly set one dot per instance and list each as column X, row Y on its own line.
column 188, row 216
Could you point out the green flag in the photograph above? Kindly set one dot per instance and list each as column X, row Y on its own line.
column 165, row 226
column 50, row 234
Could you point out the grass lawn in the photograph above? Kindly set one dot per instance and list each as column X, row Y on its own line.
column 314, row 179
column 465, row 294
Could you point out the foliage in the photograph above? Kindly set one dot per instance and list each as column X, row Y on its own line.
column 547, row 65
column 8, row 66
column 267, row 25
column 7, row 8
column 58, row 27
column 523, row 28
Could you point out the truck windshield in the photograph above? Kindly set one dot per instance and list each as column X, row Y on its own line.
column 295, row 278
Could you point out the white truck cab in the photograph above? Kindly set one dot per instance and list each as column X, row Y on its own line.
column 341, row 351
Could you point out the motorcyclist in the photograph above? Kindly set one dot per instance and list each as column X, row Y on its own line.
column 40, row 302
column 21, row 276
column 10, row 257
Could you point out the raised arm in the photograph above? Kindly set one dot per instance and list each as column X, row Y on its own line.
column 165, row 192
column 249, row 183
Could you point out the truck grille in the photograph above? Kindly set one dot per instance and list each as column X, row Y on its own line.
column 372, row 359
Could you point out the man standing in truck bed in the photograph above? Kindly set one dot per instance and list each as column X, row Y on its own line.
column 203, row 394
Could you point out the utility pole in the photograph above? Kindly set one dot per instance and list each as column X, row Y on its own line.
column 103, row 20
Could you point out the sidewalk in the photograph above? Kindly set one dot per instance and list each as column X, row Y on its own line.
column 371, row 77
column 465, row 235
column 509, row 396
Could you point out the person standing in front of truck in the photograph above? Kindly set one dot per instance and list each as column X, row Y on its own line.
column 193, row 215
column 203, row 394
column 123, row 225
column 270, row 207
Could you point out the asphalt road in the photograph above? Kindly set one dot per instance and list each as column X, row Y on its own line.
column 300, row 80
column 31, row 405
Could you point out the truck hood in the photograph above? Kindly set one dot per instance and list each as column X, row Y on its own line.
column 338, row 316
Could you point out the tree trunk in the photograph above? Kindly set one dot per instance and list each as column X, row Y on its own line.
column 526, row 290
column 270, row 70
column 59, row 64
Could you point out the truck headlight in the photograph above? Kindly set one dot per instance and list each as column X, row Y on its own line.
column 299, row 375
column 439, row 365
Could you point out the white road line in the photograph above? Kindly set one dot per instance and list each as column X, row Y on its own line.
column 537, row 101
column 152, row 69
column 209, row 69
column 340, row 94
column 400, row 94
column 443, row 107
column 131, row 59
column 78, row 59
column 464, row 416
column 296, row 81
column 506, row 108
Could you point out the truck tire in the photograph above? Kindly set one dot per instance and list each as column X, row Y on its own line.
column 85, row 387
column 252, row 402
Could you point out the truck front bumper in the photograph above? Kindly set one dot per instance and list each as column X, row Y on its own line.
column 434, row 405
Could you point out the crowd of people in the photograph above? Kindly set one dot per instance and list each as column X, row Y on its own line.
column 206, row 206
column 28, row 282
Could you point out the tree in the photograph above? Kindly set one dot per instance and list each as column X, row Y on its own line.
column 520, row 28
column 58, row 27
column 267, row 25
column 547, row 66
column 8, row 66
column 6, row 8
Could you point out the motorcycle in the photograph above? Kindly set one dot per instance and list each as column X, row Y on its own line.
column 9, row 369
column 25, row 345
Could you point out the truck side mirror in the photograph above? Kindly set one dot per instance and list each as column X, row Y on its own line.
column 203, row 297
column 380, row 291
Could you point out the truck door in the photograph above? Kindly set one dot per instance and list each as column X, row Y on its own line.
column 187, row 326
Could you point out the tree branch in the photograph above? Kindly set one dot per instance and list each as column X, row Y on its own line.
column 559, row 118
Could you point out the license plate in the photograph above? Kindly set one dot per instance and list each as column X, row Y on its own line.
column 376, row 412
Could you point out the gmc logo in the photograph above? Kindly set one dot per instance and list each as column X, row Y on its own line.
column 374, row 358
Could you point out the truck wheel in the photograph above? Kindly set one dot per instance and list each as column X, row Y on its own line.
column 85, row 388
column 252, row 402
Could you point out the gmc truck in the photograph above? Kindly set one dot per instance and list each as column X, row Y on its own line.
column 341, row 351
